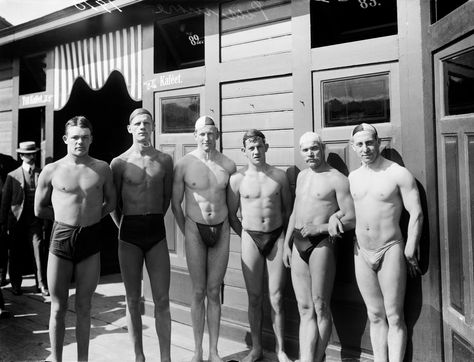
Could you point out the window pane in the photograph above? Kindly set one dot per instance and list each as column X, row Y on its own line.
column 459, row 85
column 179, row 113
column 353, row 101
column 179, row 44
column 444, row 7
column 33, row 74
column 342, row 21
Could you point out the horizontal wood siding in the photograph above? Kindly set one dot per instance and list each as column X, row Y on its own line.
column 6, row 126
column 6, row 104
column 250, row 29
column 265, row 104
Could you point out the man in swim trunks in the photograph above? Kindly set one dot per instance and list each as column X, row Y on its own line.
column 143, row 178
column 322, row 193
column 76, row 192
column 201, row 177
column 263, row 193
column 381, row 189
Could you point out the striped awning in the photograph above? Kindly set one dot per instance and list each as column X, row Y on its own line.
column 95, row 58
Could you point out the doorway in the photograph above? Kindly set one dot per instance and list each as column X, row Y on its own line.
column 108, row 110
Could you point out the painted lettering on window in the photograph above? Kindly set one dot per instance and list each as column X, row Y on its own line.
column 108, row 5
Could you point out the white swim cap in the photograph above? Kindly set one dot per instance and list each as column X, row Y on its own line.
column 204, row 121
column 310, row 137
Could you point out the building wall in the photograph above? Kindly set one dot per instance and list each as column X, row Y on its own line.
column 6, row 106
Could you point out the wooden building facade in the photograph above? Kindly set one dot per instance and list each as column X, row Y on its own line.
column 284, row 67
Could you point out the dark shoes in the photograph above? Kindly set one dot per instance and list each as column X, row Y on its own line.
column 17, row 291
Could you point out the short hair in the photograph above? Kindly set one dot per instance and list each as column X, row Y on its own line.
column 365, row 127
column 311, row 136
column 252, row 135
column 79, row 121
column 138, row 112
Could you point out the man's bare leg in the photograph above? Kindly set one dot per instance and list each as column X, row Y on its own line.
column 131, row 267
column 196, row 258
column 253, row 268
column 322, row 264
column 217, row 260
column 368, row 283
column 59, row 273
column 392, row 278
column 276, row 285
column 308, row 331
column 87, row 274
column 158, row 265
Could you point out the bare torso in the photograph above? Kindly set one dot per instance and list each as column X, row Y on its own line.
column 378, row 205
column 78, row 191
column 315, row 199
column 142, row 181
column 205, row 187
column 260, row 199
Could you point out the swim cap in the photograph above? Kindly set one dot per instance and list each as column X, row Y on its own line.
column 365, row 127
column 310, row 137
column 204, row 121
column 138, row 112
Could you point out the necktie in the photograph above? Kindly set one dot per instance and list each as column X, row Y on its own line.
column 32, row 177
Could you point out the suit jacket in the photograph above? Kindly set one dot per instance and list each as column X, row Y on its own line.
column 13, row 197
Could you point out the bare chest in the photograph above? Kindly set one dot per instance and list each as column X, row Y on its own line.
column 206, row 176
column 140, row 172
column 77, row 181
column 259, row 188
column 373, row 188
column 315, row 187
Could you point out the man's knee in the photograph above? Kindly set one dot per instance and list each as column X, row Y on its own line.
column 134, row 304
column 377, row 316
column 59, row 309
column 83, row 307
column 213, row 293
column 199, row 294
column 395, row 319
column 162, row 303
column 321, row 307
column 276, row 301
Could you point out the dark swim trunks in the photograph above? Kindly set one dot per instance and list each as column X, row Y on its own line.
column 306, row 245
column 265, row 240
column 144, row 231
column 75, row 243
column 210, row 233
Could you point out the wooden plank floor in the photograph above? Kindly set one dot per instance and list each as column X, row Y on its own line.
column 24, row 337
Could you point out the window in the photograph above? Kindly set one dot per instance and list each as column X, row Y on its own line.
column 459, row 84
column 355, row 100
column 179, row 43
column 178, row 114
column 33, row 74
column 441, row 8
column 342, row 21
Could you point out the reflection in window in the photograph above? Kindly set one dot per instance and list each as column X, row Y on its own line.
column 444, row 7
column 179, row 44
column 178, row 114
column 342, row 21
column 459, row 85
column 353, row 101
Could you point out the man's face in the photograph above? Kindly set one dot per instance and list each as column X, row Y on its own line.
column 312, row 152
column 78, row 140
column 366, row 145
column 141, row 128
column 206, row 138
column 28, row 158
column 255, row 150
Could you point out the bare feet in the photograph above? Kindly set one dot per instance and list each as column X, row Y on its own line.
column 214, row 357
column 282, row 357
column 254, row 355
column 197, row 357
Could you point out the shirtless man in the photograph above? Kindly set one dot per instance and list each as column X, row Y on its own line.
column 143, row 178
column 202, row 177
column 380, row 189
column 264, row 196
column 76, row 192
column 322, row 195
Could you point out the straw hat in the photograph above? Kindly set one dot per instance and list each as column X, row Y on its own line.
column 27, row 147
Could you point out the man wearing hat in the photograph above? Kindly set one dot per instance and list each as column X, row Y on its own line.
column 18, row 219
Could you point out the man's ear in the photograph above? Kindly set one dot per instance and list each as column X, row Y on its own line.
column 242, row 149
column 129, row 128
column 65, row 139
column 92, row 138
column 266, row 147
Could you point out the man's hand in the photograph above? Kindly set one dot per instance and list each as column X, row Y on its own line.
column 412, row 254
column 335, row 226
column 310, row 230
column 286, row 256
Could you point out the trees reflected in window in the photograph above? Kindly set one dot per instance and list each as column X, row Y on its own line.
column 355, row 100
column 459, row 85
column 342, row 21
column 178, row 114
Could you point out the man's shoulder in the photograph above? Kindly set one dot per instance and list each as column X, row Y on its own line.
column 227, row 163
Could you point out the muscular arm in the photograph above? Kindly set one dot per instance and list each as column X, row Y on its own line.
column 43, row 206
column 411, row 202
column 346, row 213
column 286, row 202
column 168, row 183
column 178, row 195
column 110, row 196
column 233, row 202
column 116, row 168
